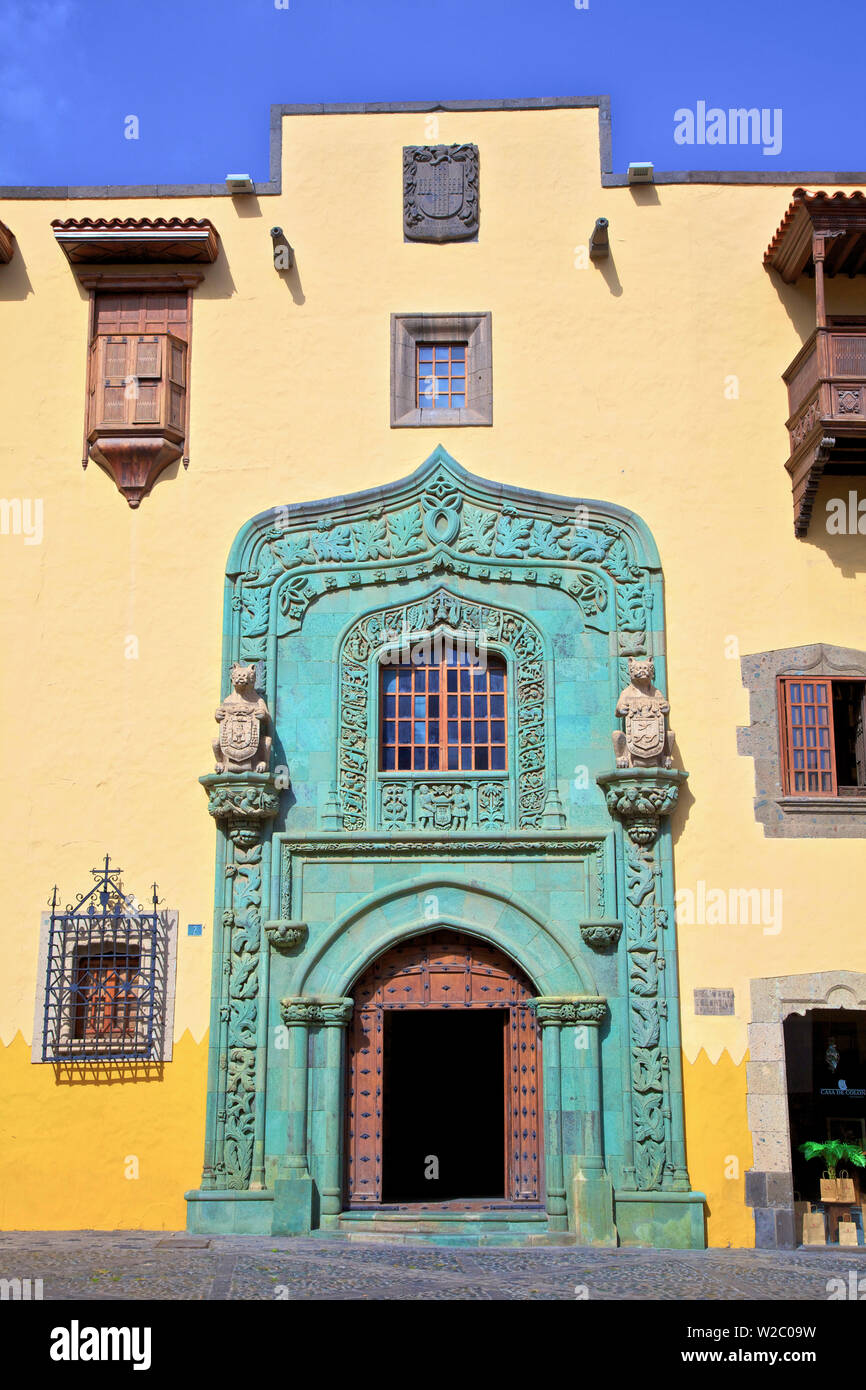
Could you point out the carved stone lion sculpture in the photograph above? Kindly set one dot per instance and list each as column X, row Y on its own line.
column 646, row 742
column 244, row 741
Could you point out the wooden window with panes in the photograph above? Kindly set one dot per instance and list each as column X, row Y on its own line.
column 441, row 376
column 448, row 717
column 822, row 726
column 138, row 363
column 106, row 996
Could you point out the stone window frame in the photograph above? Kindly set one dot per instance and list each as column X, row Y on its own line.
column 407, row 331
column 785, row 815
column 163, row 1018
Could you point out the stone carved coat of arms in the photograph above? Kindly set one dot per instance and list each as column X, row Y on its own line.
column 440, row 192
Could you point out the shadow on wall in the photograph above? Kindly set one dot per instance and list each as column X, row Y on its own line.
column 838, row 525
column 15, row 283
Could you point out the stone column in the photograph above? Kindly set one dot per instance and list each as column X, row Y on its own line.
column 328, row 1138
column 641, row 798
column 294, row 1188
column 578, row 1185
column 242, row 804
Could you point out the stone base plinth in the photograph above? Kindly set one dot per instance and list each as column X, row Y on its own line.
column 661, row 1220
column 229, row 1213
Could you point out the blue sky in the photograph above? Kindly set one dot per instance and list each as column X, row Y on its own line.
column 200, row 75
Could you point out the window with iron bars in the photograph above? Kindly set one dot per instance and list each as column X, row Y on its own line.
column 108, row 963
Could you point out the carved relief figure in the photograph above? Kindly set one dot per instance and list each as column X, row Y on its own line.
column 244, row 740
column 426, row 806
column 460, row 807
column 646, row 742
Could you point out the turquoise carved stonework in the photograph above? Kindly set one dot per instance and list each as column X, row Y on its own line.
column 562, row 861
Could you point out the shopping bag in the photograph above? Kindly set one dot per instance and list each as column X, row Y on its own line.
column 847, row 1233
column 828, row 1188
column 813, row 1228
column 844, row 1187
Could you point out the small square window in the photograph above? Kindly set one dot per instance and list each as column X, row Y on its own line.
column 441, row 369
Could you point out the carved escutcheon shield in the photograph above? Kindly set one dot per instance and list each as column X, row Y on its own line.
column 439, row 187
column 646, row 734
column 240, row 736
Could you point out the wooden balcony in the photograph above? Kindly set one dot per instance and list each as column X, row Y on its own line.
column 827, row 412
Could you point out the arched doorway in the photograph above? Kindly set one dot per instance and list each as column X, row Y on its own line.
column 444, row 1079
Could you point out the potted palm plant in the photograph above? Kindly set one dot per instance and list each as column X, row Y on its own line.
column 833, row 1153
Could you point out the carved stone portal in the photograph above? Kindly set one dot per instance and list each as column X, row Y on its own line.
column 646, row 742
column 244, row 741
column 440, row 192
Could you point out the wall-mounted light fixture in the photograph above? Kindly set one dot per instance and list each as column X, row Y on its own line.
column 599, row 244
column 640, row 173
column 284, row 256
column 240, row 183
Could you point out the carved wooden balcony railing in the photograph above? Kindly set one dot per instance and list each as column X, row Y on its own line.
column 827, row 411
column 824, row 235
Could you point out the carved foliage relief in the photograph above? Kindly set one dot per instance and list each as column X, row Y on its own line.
column 446, row 529
column 645, row 922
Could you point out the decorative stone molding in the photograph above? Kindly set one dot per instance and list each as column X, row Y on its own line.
column 333, row 1013
column 601, row 936
column 288, row 558
column 442, row 804
column 640, row 797
column 241, row 802
column 784, row 816
column 436, row 847
column 564, row 1009
column 285, row 936
column 443, row 610
column 440, row 193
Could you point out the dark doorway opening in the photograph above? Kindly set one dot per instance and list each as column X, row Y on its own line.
column 825, row 1059
column 444, row 1113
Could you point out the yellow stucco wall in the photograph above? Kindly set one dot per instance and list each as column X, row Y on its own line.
column 609, row 382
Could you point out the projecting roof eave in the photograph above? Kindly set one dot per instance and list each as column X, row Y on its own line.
column 7, row 244
column 141, row 240
column 838, row 217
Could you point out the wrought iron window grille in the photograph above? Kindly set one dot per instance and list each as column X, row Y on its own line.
column 106, row 975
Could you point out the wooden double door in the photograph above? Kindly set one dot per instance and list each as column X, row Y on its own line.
column 444, row 1079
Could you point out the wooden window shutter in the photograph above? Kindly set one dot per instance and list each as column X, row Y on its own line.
column 176, row 384
column 146, row 386
column 111, row 406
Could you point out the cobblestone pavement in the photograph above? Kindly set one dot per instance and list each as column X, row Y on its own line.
column 155, row 1265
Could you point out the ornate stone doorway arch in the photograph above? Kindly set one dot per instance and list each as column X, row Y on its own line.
column 769, row 1183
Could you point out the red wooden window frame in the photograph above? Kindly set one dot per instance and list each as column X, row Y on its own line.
column 446, row 370
column 415, row 737
column 105, row 1002
column 807, row 735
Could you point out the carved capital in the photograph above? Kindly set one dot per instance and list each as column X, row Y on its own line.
column 334, row 1013
column 285, row 936
column 640, row 797
column 601, row 936
column 563, row 1009
column 242, row 802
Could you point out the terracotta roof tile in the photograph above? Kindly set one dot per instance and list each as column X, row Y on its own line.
column 129, row 224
